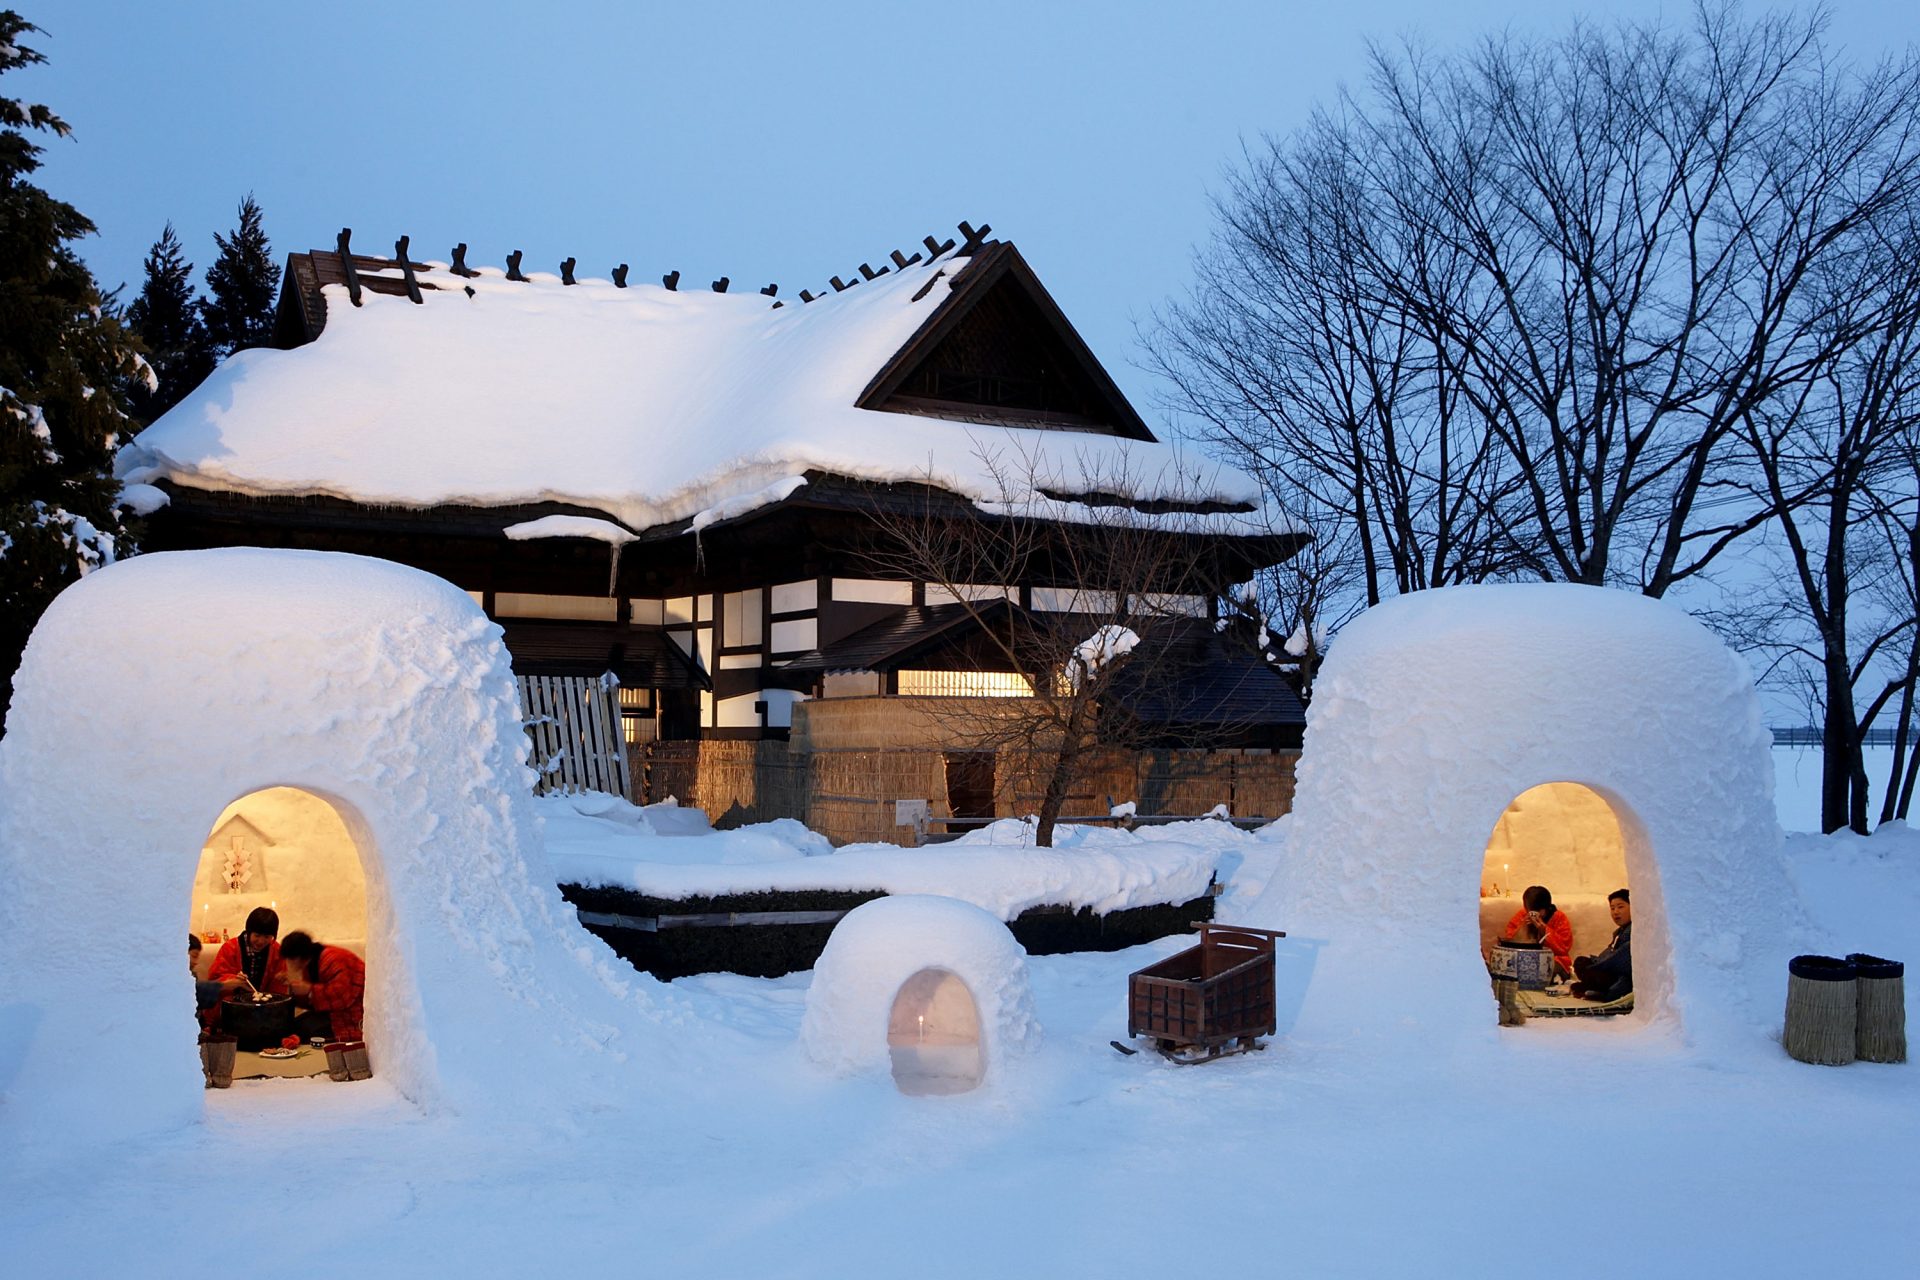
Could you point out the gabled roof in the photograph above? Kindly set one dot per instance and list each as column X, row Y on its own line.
column 1001, row 349
column 898, row 639
column 654, row 406
column 641, row 658
column 1203, row 679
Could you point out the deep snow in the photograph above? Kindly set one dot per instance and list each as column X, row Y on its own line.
column 734, row 1156
column 593, row 1121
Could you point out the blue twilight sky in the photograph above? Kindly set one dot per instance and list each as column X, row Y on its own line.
column 763, row 141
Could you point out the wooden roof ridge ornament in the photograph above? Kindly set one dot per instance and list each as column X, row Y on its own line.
column 936, row 247
column 807, row 297
column 841, row 286
column 513, row 267
column 771, row 290
column 672, row 281
column 974, row 239
column 406, row 270
column 902, row 262
column 566, row 272
column 997, row 268
column 720, row 285
column 460, row 267
column 620, row 276
column 346, row 264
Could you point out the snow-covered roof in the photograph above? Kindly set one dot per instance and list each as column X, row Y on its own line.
column 647, row 404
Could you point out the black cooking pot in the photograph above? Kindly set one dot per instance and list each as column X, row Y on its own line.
column 257, row 1023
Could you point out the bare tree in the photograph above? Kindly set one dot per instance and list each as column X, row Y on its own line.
column 1098, row 601
column 1505, row 314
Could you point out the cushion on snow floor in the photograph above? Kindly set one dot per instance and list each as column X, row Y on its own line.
column 1539, row 1004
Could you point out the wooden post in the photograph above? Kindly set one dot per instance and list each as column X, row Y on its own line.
column 346, row 265
column 406, row 269
column 513, row 267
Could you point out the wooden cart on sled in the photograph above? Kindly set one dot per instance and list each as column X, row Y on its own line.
column 1207, row 1001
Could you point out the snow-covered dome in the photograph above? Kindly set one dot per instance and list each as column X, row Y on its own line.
column 1434, row 711
column 872, row 998
column 154, row 693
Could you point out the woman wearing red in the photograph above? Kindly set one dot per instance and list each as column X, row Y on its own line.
column 331, row 982
column 1538, row 920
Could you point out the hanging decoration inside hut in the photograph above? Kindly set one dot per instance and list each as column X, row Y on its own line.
column 238, row 864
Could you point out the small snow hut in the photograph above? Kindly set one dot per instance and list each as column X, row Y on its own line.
column 1435, row 712
column 384, row 697
column 934, row 988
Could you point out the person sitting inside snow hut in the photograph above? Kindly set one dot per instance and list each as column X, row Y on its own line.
column 207, row 993
column 253, row 957
column 331, row 982
column 1609, row 975
column 1539, row 921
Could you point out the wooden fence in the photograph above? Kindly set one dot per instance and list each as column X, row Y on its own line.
column 848, row 794
column 574, row 722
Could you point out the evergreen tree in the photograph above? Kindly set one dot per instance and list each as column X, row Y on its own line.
column 63, row 357
column 244, row 283
column 166, row 317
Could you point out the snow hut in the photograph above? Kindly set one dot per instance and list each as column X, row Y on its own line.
column 156, row 693
column 934, row 987
column 1435, row 712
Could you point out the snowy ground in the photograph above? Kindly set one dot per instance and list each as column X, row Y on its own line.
column 1606, row 1150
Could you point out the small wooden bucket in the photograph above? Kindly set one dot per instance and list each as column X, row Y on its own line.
column 1821, row 1009
column 1880, row 1024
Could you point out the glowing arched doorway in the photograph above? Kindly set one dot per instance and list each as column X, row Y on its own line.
column 1569, row 839
column 933, row 1035
column 290, row 850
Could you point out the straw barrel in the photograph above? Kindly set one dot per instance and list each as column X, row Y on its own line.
column 1880, row 1028
column 1821, row 1005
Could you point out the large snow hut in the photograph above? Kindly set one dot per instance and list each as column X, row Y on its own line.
column 382, row 695
column 682, row 486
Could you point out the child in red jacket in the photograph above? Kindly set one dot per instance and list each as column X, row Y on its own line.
column 1538, row 920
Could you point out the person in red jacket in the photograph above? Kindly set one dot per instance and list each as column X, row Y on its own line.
column 331, row 982
column 253, row 957
column 1538, row 920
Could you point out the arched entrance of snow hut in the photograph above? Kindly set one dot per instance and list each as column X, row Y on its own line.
column 287, row 849
column 933, row 1035
column 1574, row 841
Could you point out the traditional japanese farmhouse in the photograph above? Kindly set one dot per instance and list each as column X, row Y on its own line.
column 682, row 486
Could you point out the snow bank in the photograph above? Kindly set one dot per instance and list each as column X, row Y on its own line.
column 1435, row 710
column 879, row 945
column 646, row 404
column 996, row 868
column 154, row 694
